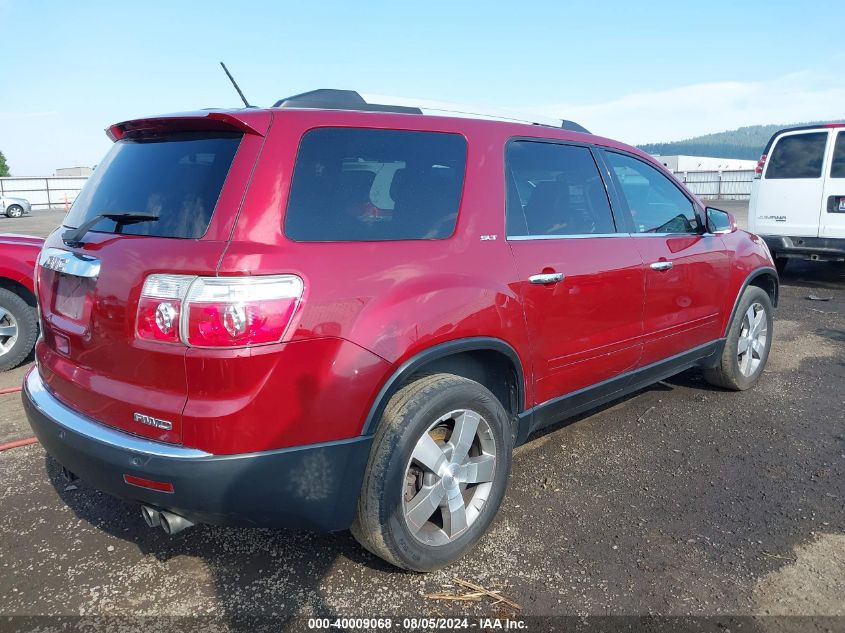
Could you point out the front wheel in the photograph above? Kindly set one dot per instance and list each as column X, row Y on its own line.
column 14, row 211
column 747, row 345
column 437, row 473
column 18, row 329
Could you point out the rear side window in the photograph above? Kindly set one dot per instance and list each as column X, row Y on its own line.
column 656, row 204
column 797, row 156
column 837, row 168
column 176, row 178
column 555, row 190
column 356, row 184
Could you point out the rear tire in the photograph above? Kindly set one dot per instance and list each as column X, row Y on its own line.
column 437, row 473
column 14, row 211
column 18, row 329
column 780, row 264
column 747, row 345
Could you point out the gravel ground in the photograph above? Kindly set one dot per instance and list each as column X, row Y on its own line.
column 682, row 500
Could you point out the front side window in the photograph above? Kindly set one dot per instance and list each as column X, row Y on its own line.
column 554, row 190
column 357, row 184
column 655, row 202
column 837, row 168
column 797, row 156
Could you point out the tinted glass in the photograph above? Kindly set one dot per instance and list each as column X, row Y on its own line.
column 175, row 178
column 797, row 156
column 353, row 184
column 555, row 190
column 837, row 168
column 656, row 204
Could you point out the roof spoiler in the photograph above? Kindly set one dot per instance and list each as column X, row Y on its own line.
column 189, row 121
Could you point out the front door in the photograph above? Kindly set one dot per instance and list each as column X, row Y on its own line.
column 686, row 270
column 580, row 280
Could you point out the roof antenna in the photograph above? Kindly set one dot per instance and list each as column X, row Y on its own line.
column 235, row 84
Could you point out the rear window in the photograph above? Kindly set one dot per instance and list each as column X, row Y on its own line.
column 354, row 184
column 798, row 156
column 176, row 178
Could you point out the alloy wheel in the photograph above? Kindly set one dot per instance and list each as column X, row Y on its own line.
column 449, row 477
column 753, row 336
column 8, row 331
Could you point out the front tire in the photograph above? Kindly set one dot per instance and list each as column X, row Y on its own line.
column 18, row 329
column 747, row 345
column 437, row 473
column 14, row 211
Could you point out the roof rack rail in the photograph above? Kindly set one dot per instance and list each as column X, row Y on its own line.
column 332, row 99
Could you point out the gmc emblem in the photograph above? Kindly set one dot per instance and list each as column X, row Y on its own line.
column 55, row 263
column 151, row 421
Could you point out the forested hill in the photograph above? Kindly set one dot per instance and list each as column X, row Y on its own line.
column 745, row 142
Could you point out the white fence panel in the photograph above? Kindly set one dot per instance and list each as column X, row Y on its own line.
column 43, row 193
column 718, row 185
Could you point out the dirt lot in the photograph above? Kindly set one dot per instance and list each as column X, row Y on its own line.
column 681, row 500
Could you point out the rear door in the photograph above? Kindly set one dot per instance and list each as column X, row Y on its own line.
column 581, row 279
column 190, row 182
column 789, row 194
column 832, row 219
column 686, row 270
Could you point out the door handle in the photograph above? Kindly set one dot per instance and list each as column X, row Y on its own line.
column 546, row 278
column 661, row 266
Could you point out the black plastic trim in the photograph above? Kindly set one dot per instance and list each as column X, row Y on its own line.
column 332, row 99
column 313, row 487
column 820, row 248
column 572, row 404
column 757, row 272
column 413, row 364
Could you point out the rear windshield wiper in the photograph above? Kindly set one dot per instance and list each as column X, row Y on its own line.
column 73, row 237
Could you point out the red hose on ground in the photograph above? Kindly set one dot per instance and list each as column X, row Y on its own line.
column 18, row 443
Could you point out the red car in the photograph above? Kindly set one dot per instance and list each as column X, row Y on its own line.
column 332, row 314
column 18, row 315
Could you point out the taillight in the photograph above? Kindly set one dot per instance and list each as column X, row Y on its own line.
column 160, row 307
column 218, row 311
column 758, row 170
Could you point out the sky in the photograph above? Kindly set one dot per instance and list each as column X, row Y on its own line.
column 635, row 71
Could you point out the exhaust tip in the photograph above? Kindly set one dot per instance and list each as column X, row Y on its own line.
column 152, row 517
column 173, row 523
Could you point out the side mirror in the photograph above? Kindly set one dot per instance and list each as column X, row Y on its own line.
column 719, row 221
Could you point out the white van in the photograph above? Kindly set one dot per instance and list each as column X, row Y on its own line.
column 798, row 195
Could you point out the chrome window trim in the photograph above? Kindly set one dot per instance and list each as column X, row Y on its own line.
column 67, row 418
column 666, row 234
column 579, row 236
column 69, row 263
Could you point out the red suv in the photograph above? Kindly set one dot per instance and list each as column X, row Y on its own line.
column 332, row 314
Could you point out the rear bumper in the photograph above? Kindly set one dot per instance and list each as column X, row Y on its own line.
column 817, row 248
column 311, row 487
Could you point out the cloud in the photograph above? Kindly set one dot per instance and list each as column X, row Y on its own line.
column 687, row 111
